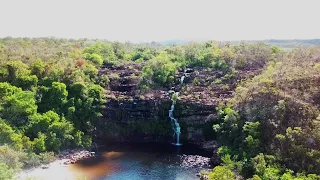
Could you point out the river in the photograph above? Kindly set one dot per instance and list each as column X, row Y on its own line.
column 123, row 161
column 128, row 161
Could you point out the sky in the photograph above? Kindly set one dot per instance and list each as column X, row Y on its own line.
column 159, row 20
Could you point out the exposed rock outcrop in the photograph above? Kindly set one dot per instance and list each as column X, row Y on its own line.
column 74, row 156
column 136, row 115
column 195, row 161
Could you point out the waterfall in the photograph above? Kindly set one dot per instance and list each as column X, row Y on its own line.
column 174, row 122
column 182, row 79
column 183, row 76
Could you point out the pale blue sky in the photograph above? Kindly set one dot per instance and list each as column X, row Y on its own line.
column 147, row 20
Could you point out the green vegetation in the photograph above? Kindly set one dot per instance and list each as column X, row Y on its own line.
column 52, row 96
column 221, row 173
column 159, row 70
column 270, row 127
column 48, row 101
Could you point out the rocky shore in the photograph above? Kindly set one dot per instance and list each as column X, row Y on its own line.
column 71, row 157
column 195, row 161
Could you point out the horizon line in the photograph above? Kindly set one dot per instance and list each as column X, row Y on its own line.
column 161, row 41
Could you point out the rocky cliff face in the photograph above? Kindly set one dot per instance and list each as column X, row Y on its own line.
column 142, row 116
column 147, row 120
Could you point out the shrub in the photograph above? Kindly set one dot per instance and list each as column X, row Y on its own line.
column 159, row 70
column 104, row 80
column 33, row 160
column 6, row 173
column 221, row 173
column 11, row 157
column 39, row 143
column 196, row 81
column 225, row 87
column 142, row 53
column 220, row 64
column 218, row 81
column 96, row 59
column 114, row 76
column 9, row 136
column 102, row 49
column 174, row 98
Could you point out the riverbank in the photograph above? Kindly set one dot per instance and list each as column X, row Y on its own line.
column 58, row 169
column 54, row 170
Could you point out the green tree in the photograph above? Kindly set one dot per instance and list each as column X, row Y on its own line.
column 26, row 81
column 39, row 143
column 16, row 104
column 143, row 53
column 105, row 50
column 38, row 68
column 228, row 126
column 14, row 69
column 96, row 59
column 9, row 136
column 53, row 97
column 161, row 69
column 56, row 133
column 221, row 173
column 85, row 106
column 252, row 139
column 17, row 73
column 259, row 164
column 121, row 51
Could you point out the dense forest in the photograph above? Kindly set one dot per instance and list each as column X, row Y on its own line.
column 52, row 96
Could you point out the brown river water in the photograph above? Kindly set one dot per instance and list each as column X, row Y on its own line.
column 123, row 161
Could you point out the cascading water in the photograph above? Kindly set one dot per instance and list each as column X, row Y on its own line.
column 182, row 79
column 174, row 122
